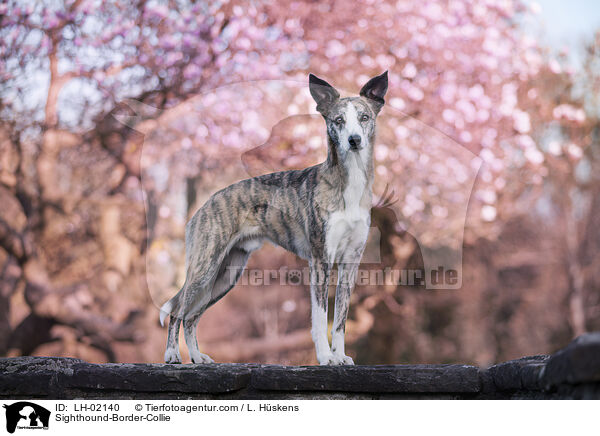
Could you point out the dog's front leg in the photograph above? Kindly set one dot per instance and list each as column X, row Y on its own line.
column 319, row 284
column 346, row 279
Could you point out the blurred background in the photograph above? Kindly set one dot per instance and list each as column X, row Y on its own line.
column 119, row 119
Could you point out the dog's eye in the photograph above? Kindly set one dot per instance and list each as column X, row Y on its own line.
column 364, row 118
column 339, row 121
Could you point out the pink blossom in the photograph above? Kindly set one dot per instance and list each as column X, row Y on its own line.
column 554, row 148
column 486, row 195
column 409, row 71
column 554, row 66
column 467, row 109
column 476, row 92
column 157, row 10
column 415, row 93
column 483, row 115
column 448, row 92
column 568, row 112
column 574, row 151
column 397, row 103
column 401, row 132
column 534, row 156
column 522, row 122
column 449, row 115
column 525, row 141
column 487, row 155
column 465, row 136
column 335, row 48
column 381, row 152
column 488, row 213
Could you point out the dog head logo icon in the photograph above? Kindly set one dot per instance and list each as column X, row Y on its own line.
column 25, row 414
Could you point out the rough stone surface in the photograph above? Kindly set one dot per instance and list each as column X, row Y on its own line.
column 33, row 377
column 216, row 379
column 579, row 362
column 573, row 372
column 518, row 374
column 373, row 379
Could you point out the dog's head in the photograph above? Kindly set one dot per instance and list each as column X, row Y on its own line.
column 350, row 121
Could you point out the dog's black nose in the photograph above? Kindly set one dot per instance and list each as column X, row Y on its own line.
column 354, row 141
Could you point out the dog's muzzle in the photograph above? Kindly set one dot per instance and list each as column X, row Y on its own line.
column 354, row 142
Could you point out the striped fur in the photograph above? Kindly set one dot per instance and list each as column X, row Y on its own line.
column 321, row 214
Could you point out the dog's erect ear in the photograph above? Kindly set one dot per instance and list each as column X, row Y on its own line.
column 375, row 90
column 323, row 93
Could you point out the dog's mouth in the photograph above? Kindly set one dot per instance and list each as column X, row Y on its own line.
column 356, row 147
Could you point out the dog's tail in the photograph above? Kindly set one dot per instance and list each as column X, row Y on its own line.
column 170, row 307
column 165, row 311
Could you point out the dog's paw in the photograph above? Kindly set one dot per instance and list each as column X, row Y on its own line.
column 172, row 356
column 325, row 358
column 340, row 359
column 198, row 357
column 335, row 359
column 345, row 360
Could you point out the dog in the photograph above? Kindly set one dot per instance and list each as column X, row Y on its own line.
column 320, row 213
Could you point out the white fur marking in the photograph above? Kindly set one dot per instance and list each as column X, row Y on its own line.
column 172, row 356
column 197, row 357
column 251, row 244
column 347, row 229
column 353, row 126
column 319, row 331
column 165, row 310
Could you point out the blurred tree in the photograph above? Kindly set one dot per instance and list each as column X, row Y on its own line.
column 573, row 184
column 64, row 68
column 85, row 84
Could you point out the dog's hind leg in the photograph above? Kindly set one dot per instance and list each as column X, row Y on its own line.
column 229, row 273
column 172, row 352
column 172, row 308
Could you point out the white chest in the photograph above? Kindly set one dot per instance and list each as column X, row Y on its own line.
column 348, row 228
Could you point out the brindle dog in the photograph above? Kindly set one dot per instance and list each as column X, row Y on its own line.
column 321, row 214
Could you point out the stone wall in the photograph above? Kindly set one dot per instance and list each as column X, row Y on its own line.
column 571, row 373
